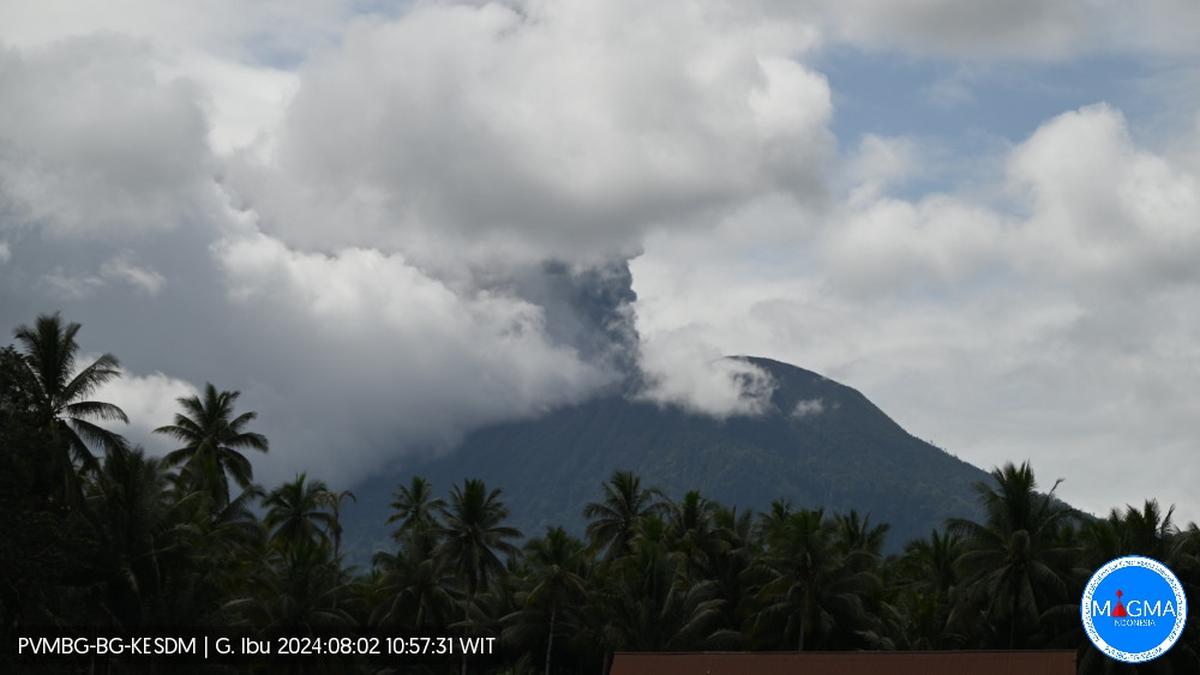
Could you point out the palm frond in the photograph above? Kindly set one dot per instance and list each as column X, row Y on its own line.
column 96, row 410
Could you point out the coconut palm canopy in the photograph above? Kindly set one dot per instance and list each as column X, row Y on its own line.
column 59, row 388
column 159, row 542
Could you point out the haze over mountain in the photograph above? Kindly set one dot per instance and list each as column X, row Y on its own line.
column 818, row 443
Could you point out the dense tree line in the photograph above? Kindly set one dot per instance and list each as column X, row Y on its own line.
column 95, row 532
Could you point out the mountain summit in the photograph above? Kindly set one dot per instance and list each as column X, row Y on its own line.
column 820, row 444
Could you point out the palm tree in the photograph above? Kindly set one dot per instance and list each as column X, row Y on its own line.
column 615, row 518
column 650, row 606
column 739, row 548
column 1011, row 561
column 693, row 537
column 299, row 588
column 473, row 536
column 776, row 518
column 414, row 587
column 296, row 512
column 556, row 564
column 1148, row 531
column 415, row 508
column 60, row 390
column 856, row 533
column 813, row 590
column 129, row 510
column 927, row 579
column 414, row 583
column 334, row 501
column 212, row 552
column 213, row 440
column 500, row 600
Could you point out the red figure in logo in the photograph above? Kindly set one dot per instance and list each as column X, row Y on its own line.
column 1119, row 610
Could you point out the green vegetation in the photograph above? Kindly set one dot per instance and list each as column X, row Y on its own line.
column 97, row 533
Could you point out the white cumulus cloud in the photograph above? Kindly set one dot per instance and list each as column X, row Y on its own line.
column 150, row 401
column 93, row 143
column 547, row 129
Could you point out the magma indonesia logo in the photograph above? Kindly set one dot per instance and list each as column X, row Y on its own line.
column 1133, row 609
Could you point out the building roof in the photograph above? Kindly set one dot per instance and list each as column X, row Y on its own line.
column 846, row 663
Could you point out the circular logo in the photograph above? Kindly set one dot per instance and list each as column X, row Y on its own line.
column 1133, row 609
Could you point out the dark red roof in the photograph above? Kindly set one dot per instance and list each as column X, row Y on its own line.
column 846, row 663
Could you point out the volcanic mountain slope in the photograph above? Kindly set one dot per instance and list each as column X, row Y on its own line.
column 821, row 444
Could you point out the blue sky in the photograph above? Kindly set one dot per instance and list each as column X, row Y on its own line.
column 890, row 94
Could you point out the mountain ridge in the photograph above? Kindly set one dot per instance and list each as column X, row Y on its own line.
column 820, row 444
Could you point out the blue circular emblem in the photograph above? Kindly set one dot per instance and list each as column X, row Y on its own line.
column 1133, row 609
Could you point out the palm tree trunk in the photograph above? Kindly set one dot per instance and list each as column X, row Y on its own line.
column 800, row 642
column 1012, row 622
column 550, row 639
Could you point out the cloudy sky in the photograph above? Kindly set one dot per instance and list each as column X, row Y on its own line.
column 389, row 223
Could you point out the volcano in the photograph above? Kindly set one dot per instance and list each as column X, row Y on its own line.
column 820, row 444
